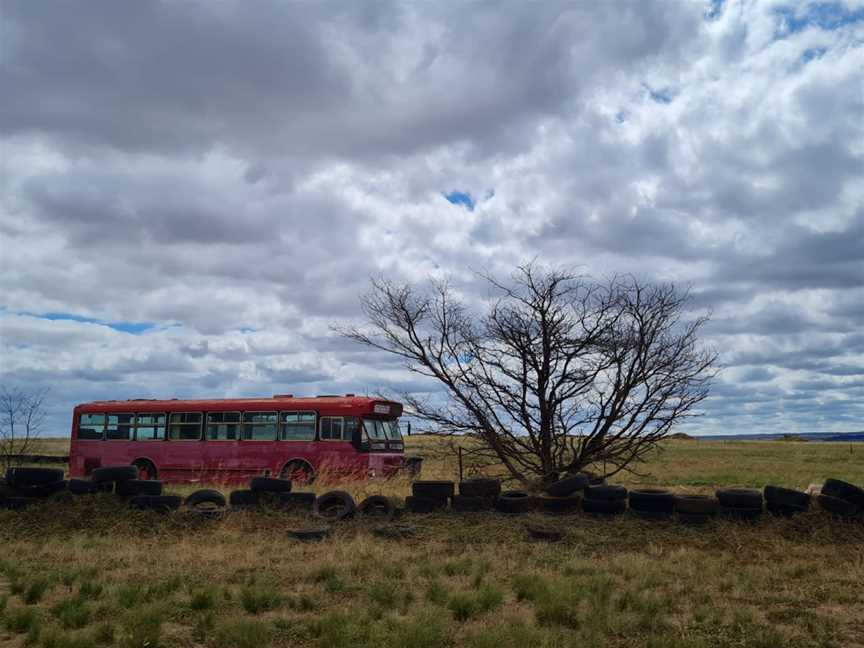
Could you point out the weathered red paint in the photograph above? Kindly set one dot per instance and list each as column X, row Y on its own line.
column 231, row 461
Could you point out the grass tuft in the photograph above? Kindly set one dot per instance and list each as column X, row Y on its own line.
column 257, row 598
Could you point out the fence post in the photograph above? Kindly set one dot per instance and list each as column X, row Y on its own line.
column 460, row 463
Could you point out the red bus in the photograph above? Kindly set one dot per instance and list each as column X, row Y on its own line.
column 233, row 439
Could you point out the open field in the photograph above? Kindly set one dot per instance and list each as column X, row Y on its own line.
column 91, row 573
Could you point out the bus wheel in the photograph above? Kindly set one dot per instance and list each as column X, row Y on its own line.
column 146, row 469
column 298, row 471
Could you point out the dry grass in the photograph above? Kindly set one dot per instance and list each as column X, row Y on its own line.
column 97, row 574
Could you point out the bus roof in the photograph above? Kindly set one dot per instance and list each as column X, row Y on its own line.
column 359, row 404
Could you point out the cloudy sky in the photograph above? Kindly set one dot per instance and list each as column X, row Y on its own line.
column 192, row 193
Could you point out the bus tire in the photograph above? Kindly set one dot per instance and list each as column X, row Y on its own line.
column 298, row 470
column 207, row 496
column 146, row 469
column 558, row 504
column 132, row 487
column 568, row 485
column 270, row 485
column 377, row 506
column 480, row 487
column 334, row 506
column 113, row 474
column 434, row 489
column 19, row 477
column 157, row 503
column 296, row 501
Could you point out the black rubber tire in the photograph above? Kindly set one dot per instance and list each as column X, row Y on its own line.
column 270, row 485
column 16, row 503
column 480, row 487
column 377, row 506
column 545, row 533
column 652, row 500
column 784, row 510
column 606, row 492
column 433, row 489
column 741, row 513
column 133, row 487
column 467, row 503
column 307, row 535
column 693, row 518
column 568, row 485
column 113, row 474
column 604, row 507
column 206, row 496
column 696, row 504
column 777, row 495
column 40, row 491
column 243, row 499
column 82, row 487
column 22, row 477
column 515, row 502
column 157, row 503
column 845, row 491
column 425, row 504
column 334, row 506
column 838, row 507
column 739, row 498
column 558, row 504
column 297, row 501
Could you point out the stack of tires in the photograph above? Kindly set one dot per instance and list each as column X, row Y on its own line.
column 785, row 502
column 564, row 495
column 743, row 504
column 477, row 494
column 142, row 494
column 695, row 509
column 842, row 499
column 604, row 500
column 429, row 495
column 273, row 493
column 24, row 486
column 652, row 503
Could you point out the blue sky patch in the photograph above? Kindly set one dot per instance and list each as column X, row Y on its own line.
column 134, row 328
column 812, row 53
column 826, row 15
column 461, row 198
column 660, row 95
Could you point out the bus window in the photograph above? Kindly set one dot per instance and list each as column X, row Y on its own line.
column 150, row 427
column 259, row 426
column 351, row 428
column 185, row 426
column 91, row 426
column 119, row 427
column 331, row 428
column 391, row 429
column 297, row 426
column 374, row 430
column 223, row 426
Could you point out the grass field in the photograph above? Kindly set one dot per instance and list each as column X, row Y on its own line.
column 92, row 573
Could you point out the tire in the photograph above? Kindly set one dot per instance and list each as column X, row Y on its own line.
column 786, row 497
column 556, row 505
column 82, row 487
column 377, row 506
column 425, row 504
column 545, row 533
column 693, row 518
column 568, row 485
column 297, row 501
column 652, row 500
column 40, row 491
column 206, row 498
column 696, row 505
column 113, row 474
column 157, row 503
column 16, row 503
column 741, row 513
column 514, row 502
column 604, row 507
column 270, row 485
column 739, row 498
column 432, row 489
column 21, row 477
column 243, row 499
column 133, row 487
column 845, row 491
column 334, row 506
column 480, row 487
column 784, row 510
column 605, row 492
column 839, row 507
column 466, row 503
column 307, row 535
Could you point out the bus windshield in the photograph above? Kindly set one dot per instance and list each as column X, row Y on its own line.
column 382, row 430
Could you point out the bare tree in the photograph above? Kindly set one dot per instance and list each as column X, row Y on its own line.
column 22, row 416
column 561, row 372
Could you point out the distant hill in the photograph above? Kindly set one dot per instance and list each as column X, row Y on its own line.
column 680, row 436
column 843, row 437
